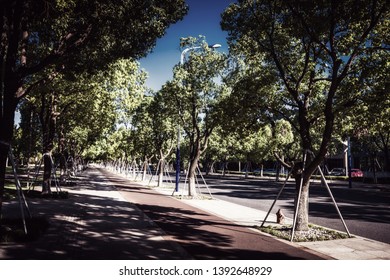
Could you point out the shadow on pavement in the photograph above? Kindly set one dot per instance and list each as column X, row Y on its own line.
column 90, row 226
column 107, row 217
column 202, row 235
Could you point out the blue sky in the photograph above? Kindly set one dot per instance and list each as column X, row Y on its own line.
column 203, row 18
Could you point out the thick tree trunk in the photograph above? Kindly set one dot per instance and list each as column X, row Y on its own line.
column 47, row 173
column 192, row 171
column 191, row 177
column 302, row 184
column 210, row 168
column 7, row 115
column 48, row 118
column 387, row 158
column 224, row 167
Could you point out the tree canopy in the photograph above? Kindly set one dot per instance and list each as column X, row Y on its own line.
column 194, row 95
column 316, row 52
column 41, row 39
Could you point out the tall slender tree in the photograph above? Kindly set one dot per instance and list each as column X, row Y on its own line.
column 195, row 95
column 163, row 131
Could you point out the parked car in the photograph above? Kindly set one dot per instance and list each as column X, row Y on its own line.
column 337, row 172
column 355, row 172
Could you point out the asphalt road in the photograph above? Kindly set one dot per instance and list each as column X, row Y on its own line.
column 365, row 208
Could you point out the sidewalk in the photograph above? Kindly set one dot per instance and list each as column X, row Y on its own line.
column 356, row 248
column 109, row 217
column 95, row 222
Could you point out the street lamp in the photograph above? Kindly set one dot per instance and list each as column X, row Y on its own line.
column 183, row 53
column 182, row 57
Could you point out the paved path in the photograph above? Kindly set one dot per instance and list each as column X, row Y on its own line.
column 96, row 222
column 109, row 217
column 204, row 235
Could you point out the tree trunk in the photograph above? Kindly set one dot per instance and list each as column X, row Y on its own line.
column 7, row 115
column 248, row 167
column 134, row 167
column 48, row 118
column 211, row 169
column 3, row 159
column 191, row 177
column 375, row 178
column 62, row 156
column 145, row 166
column 302, row 209
column 161, row 172
column 262, row 170
column 384, row 146
column 386, row 152
column 47, row 172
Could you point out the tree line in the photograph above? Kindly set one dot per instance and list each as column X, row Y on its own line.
column 299, row 76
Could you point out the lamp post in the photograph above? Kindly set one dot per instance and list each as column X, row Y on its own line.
column 182, row 57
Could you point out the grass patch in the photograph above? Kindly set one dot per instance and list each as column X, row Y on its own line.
column 10, row 193
column 197, row 197
column 315, row 233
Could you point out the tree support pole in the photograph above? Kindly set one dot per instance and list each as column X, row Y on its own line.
column 334, row 201
column 156, row 173
column 277, row 197
column 37, row 170
column 54, row 175
column 19, row 190
column 204, row 181
column 167, row 172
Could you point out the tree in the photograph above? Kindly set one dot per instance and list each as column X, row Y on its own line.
column 369, row 121
column 164, row 130
column 123, row 83
column 142, row 132
column 315, row 51
column 195, row 95
column 41, row 38
column 27, row 145
column 222, row 148
column 253, row 146
column 78, row 122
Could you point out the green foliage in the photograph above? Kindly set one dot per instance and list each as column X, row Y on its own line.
column 305, row 62
column 255, row 145
column 88, row 109
column 163, row 124
column 44, row 39
column 122, row 89
column 322, row 55
column 126, row 81
column 194, row 93
column 142, row 130
column 90, row 34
